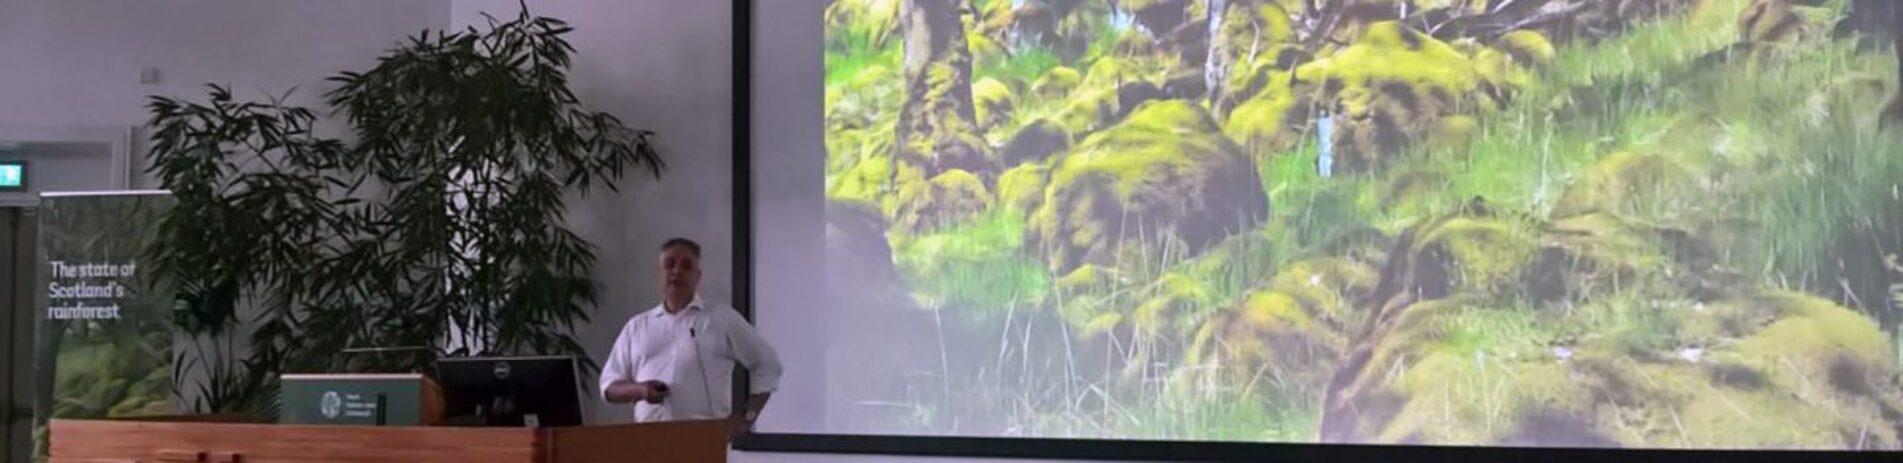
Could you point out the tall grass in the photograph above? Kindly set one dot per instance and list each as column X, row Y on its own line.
column 843, row 64
column 976, row 266
column 1022, row 65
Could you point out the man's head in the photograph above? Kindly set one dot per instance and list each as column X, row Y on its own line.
column 680, row 271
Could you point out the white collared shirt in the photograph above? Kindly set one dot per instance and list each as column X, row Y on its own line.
column 694, row 353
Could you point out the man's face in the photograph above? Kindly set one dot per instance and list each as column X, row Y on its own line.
column 680, row 274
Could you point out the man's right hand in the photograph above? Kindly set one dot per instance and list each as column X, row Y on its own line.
column 650, row 391
column 656, row 391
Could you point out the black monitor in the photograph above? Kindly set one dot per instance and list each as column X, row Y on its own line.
column 510, row 391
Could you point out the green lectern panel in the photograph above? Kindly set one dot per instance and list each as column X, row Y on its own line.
column 356, row 400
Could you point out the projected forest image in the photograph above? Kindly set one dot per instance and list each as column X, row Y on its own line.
column 1624, row 223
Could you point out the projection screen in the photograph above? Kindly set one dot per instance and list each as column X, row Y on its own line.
column 1669, row 224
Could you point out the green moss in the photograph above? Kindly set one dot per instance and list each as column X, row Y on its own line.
column 910, row 192
column 1100, row 324
column 1174, row 295
column 1251, row 41
column 1084, row 301
column 1164, row 175
column 870, row 76
column 982, row 46
column 866, row 181
column 1023, row 65
column 1454, row 132
column 1530, row 47
column 1812, row 333
column 1770, row 389
column 1270, row 309
column 1323, row 287
column 1727, row 418
column 1402, row 340
column 1088, row 110
column 1056, row 83
column 1139, row 5
column 1083, row 278
column 973, row 266
column 1500, row 71
column 1276, row 27
column 1107, row 73
column 1480, row 400
column 951, row 197
column 1269, row 342
column 863, row 21
column 1389, row 90
column 993, row 102
column 961, row 191
column 1388, row 52
column 939, row 134
column 1021, row 187
column 1246, row 80
column 1487, row 255
column 1616, row 182
column 1262, row 123
column 1170, row 134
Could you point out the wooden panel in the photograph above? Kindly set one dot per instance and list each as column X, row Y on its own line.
column 77, row 441
column 684, row 442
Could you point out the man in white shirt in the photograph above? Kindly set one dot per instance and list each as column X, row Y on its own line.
column 675, row 362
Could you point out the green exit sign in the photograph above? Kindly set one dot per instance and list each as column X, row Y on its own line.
column 12, row 175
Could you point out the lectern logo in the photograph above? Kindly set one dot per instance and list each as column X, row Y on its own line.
column 502, row 370
column 331, row 405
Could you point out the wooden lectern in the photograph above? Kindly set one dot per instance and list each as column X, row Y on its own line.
column 185, row 441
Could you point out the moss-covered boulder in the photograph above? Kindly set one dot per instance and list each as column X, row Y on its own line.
column 1165, row 173
column 1528, row 47
column 1021, row 188
column 869, row 181
column 1056, row 83
column 1598, row 330
column 1771, row 370
column 1289, row 333
column 1597, row 253
column 1107, row 93
column 1620, row 183
column 993, row 102
column 1270, row 121
column 1094, row 108
column 1391, row 85
column 1035, row 142
column 948, row 198
column 1474, row 253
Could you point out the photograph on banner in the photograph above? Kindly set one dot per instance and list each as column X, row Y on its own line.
column 104, row 337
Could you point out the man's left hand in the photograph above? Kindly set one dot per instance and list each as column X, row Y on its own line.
column 738, row 426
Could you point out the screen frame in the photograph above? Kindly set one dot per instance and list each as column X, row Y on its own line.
column 1126, row 450
column 24, row 181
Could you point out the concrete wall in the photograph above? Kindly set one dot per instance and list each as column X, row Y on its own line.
column 68, row 64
